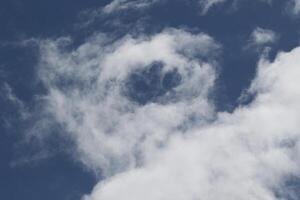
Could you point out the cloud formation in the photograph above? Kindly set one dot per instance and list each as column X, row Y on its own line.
column 247, row 154
column 118, row 5
column 92, row 94
column 204, row 5
column 262, row 36
column 207, row 4
column 261, row 40
column 174, row 146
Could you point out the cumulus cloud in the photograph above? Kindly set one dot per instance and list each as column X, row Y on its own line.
column 247, row 154
column 174, row 145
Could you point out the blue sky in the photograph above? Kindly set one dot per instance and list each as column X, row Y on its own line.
column 149, row 99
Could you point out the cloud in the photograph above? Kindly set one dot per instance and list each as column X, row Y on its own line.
column 262, row 36
column 247, row 154
column 93, row 91
column 207, row 4
column 294, row 7
column 261, row 40
column 13, row 104
column 297, row 6
column 175, row 145
column 118, row 5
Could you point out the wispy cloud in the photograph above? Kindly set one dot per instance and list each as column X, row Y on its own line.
column 208, row 4
column 176, row 146
column 262, row 40
column 247, row 154
column 88, row 93
column 262, row 36
column 121, row 5
column 118, row 5
column 11, row 99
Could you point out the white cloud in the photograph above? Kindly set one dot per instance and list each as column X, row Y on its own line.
column 244, row 155
column 117, row 5
column 7, row 93
column 207, row 4
column 261, row 40
column 262, row 36
column 86, row 93
column 177, row 147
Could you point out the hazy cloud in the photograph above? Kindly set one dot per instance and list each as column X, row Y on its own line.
column 294, row 6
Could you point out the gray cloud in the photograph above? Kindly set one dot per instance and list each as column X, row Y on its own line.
column 294, row 7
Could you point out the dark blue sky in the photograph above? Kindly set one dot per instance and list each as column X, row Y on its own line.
column 35, row 171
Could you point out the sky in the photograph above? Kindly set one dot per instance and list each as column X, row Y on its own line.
column 150, row 99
